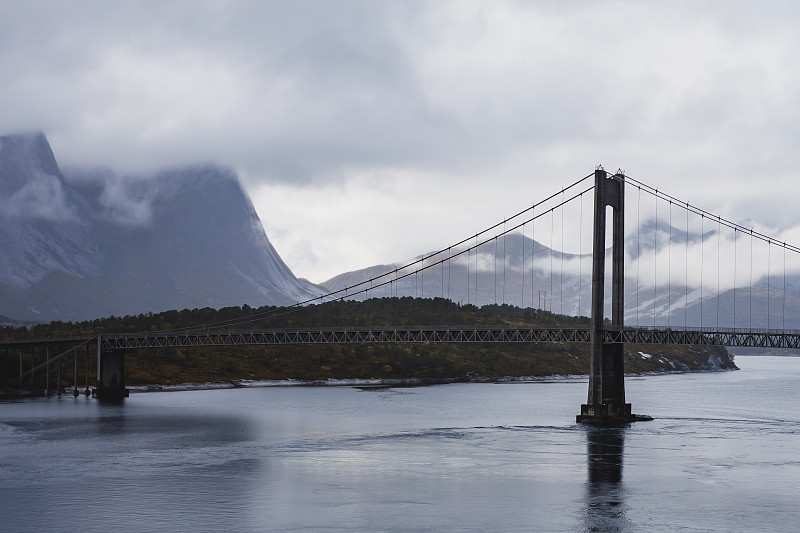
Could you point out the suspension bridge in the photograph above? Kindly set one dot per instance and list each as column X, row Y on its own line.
column 693, row 278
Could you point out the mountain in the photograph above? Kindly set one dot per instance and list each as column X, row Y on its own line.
column 91, row 244
column 95, row 244
column 561, row 283
column 504, row 275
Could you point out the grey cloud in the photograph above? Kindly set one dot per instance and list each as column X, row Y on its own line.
column 693, row 94
column 315, row 85
column 127, row 202
column 41, row 197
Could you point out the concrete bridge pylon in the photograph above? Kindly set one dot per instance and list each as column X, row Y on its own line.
column 606, row 400
column 110, row 374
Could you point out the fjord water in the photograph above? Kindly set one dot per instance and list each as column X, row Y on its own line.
column 723, row 454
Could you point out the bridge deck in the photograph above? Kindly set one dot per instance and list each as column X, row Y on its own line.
column 432, row 334
column 469, row 334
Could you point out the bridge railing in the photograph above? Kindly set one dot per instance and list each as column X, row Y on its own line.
column 707, row 330
column 328, row 335
column 459, row 334
column 754, row 338
column 765, row 338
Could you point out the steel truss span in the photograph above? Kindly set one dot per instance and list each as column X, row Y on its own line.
column 345, row 336
column 685, row 336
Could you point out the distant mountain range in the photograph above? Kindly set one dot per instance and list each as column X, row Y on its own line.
column 98, row 244
column 94, row 244
column 517, row 270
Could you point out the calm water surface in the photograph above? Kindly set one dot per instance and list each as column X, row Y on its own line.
column 722, row 455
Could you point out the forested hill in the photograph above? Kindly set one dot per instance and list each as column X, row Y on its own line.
column 398, row 361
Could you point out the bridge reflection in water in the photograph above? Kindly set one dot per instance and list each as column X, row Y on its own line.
column 605, row 507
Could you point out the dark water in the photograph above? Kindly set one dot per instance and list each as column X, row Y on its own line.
column 722, row 455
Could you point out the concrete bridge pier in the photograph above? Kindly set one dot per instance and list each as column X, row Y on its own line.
column 606, row 402
column 110, row 374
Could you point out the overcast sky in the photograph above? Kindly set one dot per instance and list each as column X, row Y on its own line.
column 369, row 132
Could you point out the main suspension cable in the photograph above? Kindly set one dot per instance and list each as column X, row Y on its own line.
column 698, row 211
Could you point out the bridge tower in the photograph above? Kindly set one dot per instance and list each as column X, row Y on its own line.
column 606, row 403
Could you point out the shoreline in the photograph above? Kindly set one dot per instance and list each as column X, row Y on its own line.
column 399, row 382
column 354, row 382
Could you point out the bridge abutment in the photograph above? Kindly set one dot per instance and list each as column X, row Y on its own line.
column 110, row 374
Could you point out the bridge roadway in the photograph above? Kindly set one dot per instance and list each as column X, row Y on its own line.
column 451, row 334
column 116, row 343
column 756, row 338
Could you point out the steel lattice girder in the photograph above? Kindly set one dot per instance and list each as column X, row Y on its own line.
column 766, row 339
column 469, row 334
column 345, row 336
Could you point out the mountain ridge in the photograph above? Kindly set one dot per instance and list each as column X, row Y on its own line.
column 514, row 282
column 97, row 244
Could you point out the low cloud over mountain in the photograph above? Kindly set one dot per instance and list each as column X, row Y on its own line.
column 95, row 243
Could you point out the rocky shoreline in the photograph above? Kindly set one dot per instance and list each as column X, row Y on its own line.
column 10, row 394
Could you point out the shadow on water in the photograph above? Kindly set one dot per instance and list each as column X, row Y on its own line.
column 131, row 425
column 605, row 508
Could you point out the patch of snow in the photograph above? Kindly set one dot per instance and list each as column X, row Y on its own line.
column 713, row 362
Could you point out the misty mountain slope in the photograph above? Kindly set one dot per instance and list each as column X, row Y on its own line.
column 110, row 245
column 44, row 223
column 200, row 224
column 561, row 283
column 499, row 273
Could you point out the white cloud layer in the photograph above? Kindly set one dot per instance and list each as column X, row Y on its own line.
column 368, row 132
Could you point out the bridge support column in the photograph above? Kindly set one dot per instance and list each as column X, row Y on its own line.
column 606, row 402
column 110, row 374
